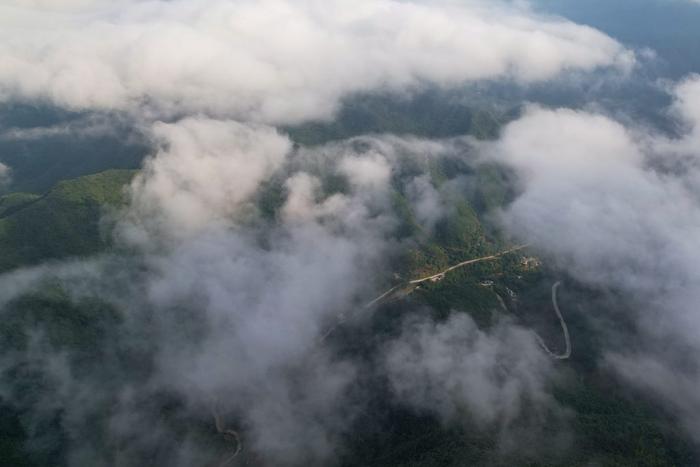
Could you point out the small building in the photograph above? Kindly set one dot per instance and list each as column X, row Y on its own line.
column 530, row 262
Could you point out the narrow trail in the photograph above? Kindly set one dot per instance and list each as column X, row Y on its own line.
column 230, row 436
column 564, row 328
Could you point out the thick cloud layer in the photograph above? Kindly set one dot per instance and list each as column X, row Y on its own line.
column 274, row 61
column 204, row 173
column 619, row 209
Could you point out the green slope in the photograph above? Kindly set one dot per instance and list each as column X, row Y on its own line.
column 15, row 201
column 428, row 114
column 63, row 222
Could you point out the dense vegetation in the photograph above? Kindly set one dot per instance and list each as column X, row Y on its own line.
column 65, row 221
column 430, row 113
column 610, row 426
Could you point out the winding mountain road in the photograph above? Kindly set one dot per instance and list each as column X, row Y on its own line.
column 564, row 328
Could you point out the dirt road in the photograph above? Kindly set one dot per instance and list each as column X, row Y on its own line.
column 409, row 286
column 440, row 275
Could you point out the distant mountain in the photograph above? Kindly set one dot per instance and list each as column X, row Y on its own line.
column 44, row 145
column 429, row 113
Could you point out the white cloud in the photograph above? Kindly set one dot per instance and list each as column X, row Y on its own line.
column 204, row 173
column 449, row 367
column 587, row 190
column 367, row 171
column 5, row 175
column 55, row 5
column 301, row 197
column 687, row 108
column 428, row 205
column 276, row 61
column 467, row 375
column 619, row 208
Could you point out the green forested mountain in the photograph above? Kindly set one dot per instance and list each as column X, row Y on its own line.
column 609, row 427
column 607, row 424
column 432, row 114
column 63, row 222
column 336, row 233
